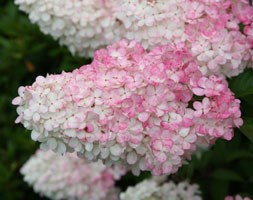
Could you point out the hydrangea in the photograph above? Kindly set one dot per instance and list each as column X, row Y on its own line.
column 82, row 25
column 151, row 190
column 237, row 197
column 210, row 29
column 69, row 177
column 145, row 110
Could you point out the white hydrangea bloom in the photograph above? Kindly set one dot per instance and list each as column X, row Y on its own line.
column 180, row 191
column 81, row 25
column 145, row 190
column 69, row 177
column 152, row 190
column 152, row 22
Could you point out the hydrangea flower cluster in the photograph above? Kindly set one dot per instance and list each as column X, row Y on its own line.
column 69, row 177
column 151, row 190
column 141, row 109
column 237, row 197
column 82, row 25
column 211, row 30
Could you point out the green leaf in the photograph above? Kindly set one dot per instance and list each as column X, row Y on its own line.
column 4, row 173
column 226, row 175
column 239, row 154
column 242, row 85
column 218, row 189
column 247, row 128
column 248, row 99
column 246, row 107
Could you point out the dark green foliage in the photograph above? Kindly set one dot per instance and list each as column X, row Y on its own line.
column 227, row 168
column 242, row 86
column 24, row 54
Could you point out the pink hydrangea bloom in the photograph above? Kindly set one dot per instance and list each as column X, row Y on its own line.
column 210, row 29
column 69, row 177
column 237, row 197
column 131, row 107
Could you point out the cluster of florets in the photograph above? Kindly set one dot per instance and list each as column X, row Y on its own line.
column 82, row 25
column 152, row 190
column 69, row 177
column 141, row 109
column 237, row 197
column 211, row 30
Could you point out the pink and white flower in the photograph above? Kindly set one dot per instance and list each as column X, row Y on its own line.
column 210, row 29
column 153, row 124
column 69, row 177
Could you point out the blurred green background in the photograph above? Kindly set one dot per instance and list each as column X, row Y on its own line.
column 227, row 168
